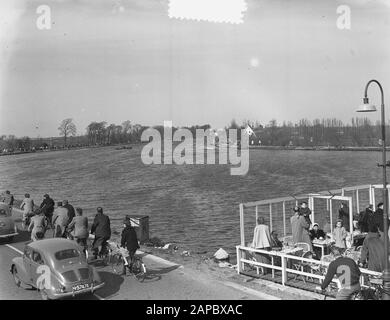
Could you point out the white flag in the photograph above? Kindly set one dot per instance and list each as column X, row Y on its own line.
column 249, row 131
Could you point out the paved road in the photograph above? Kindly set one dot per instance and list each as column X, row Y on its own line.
column 164, row 280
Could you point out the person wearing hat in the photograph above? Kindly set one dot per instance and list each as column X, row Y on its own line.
column 47, row 207
column 317, row 233
column 129, row 241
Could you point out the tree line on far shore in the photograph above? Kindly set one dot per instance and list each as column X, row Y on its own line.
column 361, row 132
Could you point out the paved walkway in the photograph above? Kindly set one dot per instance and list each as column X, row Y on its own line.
column 165, row 280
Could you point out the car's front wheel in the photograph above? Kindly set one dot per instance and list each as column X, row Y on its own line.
column 16, row 276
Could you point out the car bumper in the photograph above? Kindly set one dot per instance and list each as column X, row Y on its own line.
column 73, row 294
column 8, row 235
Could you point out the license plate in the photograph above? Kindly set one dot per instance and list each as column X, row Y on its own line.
column 81, row 287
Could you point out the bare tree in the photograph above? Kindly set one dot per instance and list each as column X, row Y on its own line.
column 67, row 128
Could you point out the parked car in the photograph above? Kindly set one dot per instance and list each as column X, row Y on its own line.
column 69, row 272
column 8, row 227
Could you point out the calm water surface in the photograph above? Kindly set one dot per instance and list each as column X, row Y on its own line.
column 192, row 205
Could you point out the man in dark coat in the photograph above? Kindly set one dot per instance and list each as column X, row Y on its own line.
column 71, row 212
column 102, row 230
column 47, row 207
column 376, row 220
column 129, row 241
column 344, row 215
column 365, row 217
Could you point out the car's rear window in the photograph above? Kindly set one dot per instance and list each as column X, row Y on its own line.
column 66, row 254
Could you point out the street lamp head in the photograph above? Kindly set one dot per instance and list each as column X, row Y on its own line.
column 366, row 106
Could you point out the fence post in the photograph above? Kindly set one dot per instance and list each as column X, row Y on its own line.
column 351, row 220
column 357, row 201
column 331, row 216
column 257, row 214
column 284, row 272
column 239, row 266
column 311, row 202
column 284, row 218
column 270, row 216
column 242, row 226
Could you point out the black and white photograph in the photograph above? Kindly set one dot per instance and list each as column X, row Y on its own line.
column 206, row 152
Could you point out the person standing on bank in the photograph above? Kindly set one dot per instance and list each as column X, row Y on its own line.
column 130, row 242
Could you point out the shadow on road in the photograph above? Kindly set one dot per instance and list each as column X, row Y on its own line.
column 156, row 273
column 112, row 282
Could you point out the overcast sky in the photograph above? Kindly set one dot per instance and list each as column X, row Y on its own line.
column 106, row 60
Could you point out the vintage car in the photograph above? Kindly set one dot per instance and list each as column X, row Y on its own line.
column 62, row 265
column 8, row 227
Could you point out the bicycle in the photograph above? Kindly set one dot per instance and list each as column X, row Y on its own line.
column 117, row 261
column 68, row 235
column 363, row 294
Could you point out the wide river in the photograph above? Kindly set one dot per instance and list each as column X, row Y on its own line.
column 195, row 206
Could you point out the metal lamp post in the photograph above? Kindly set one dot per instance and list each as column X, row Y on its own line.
column 366, row 107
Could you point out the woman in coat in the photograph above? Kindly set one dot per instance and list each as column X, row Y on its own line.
column 262, row 240
column 300, row 230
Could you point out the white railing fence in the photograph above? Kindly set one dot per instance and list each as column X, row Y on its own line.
column 287, row 261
